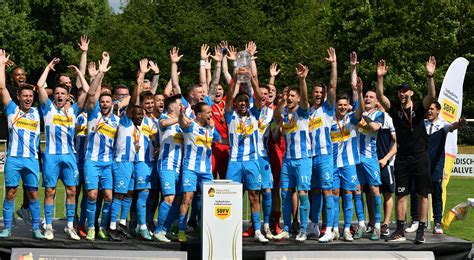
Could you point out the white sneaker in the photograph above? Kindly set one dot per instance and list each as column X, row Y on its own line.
column 413, row 227
column 437, row 229
column 259, row 237
column 268, row 233
column 335, row 234
column 347, row 236
column 328, row 237
column 283, row 235
column 161, row 236
column 71, row 232
column 301, row 236
column 49, row 234
column 313, row 230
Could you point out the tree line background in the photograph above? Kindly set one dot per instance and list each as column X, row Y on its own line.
column 404, row 33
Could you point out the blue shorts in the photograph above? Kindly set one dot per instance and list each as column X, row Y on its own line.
column 62, row 166
column 122, row 172
column 154, row 177
column 142, row 175
column 266, row 172
column 296, row 173
column 322, row 172
column 169, row 182
column 26, row 168
column 98, row 174
column 368, row 171
column 190, row 180
column 345, row 178
column 247, row 173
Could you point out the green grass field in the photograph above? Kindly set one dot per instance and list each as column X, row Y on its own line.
column 459, row 189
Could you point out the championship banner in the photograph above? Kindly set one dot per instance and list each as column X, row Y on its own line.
column 221, row 220
column 450, row 98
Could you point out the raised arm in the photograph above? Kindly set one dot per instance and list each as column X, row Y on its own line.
column 134, row 100
column 281, row 103
column 202, row 68
column 94, row 93
column 217, row 71
column 360, row 107
column 84, row 86
column 256, row 90
column 381, row 71
column 331, row 92
column 42, row 94
column 156, row 76
column 354, row 62
column 168, row 89
column 92, row 70
column 230, row 95
column 232, row 56
column 274, row 71
column 183, row 120
column 430, row 69
column 84, row 46
column 144, row 68
column 3, row 87
column 174, row 56
column 302, row 72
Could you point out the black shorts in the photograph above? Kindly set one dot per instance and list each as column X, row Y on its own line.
column 387, row 174
column 416, row 167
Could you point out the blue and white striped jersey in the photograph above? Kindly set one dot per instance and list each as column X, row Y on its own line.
column 295, row 130
column 197, row 147
column 345, row 141
column 80, row 142
column 320, row 121
column 171, row 147
column 129, row 140
column 264, row 121
column 59, row 125
column 101, row 135
column 367, row 137
column 149, row 128
column 243, row 135
column 24, row 131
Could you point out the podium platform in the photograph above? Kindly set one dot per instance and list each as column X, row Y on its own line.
column 443, row 246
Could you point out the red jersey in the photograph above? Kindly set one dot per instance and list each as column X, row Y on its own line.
column 219, row 119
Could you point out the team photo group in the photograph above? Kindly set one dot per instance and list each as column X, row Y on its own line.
column 132, row 160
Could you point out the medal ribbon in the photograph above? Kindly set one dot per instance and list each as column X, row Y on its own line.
column 18, row 116
column 341, row 129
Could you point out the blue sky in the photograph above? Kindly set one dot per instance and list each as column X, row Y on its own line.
column 115, row 4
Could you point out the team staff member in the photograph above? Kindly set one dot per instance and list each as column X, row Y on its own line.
column 412, row 156
column 22, row 153
column 59, row 160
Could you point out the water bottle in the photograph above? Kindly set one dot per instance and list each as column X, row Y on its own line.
column 243, row 60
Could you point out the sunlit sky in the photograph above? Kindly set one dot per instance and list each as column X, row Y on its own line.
column 115, row 4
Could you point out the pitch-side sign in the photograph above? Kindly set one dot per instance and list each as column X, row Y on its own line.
column 221, row 220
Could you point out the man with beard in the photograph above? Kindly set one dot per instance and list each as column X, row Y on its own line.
column 198, row 137
column 320, row 122
column 22, row 155
column 412, row 156
column 242, row 123
column 128, row 142
column 346, row 155
column 59, row 159
column 101, row 128
column 292, row 114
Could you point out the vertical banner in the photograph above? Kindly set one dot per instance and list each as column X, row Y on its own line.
column 221, row 220
column 450, row 98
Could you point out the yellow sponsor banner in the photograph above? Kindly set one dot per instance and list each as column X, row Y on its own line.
column 178, row 138
column 222, row 212
column 315, row 123
column 107, row 130
column 204, row 141
column 27, row 124
column 60, row 120
column 338, row 137
column 289, row 127
column 81, row 130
